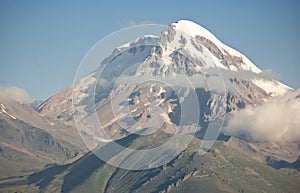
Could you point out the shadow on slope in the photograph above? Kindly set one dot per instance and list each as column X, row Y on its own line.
column 279, row 164
column 75, row 173
column 81, row 169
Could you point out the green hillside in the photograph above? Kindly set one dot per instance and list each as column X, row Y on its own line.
column 222, row 169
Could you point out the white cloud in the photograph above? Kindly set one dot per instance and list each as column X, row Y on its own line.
column 276, row 120
column 215, row 82
column 133, row 22
column 14, row 94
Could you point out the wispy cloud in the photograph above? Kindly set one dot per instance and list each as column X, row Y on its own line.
column 8, row 94
column 276, row 120
column 130, row 23
column 134, row 22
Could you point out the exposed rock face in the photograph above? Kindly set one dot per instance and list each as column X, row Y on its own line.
column 200, row 40
column 58, row 106
column 167, row 36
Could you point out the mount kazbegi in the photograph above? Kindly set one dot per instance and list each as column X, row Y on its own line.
column 142, row 88
column 183, row 49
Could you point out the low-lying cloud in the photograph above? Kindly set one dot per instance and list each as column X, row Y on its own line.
column 276, row 120
column 217, row 79
column 8, row 94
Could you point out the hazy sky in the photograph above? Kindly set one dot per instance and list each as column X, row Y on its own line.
column 43, row 42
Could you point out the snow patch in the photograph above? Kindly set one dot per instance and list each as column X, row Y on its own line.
column 3, row 111
column 272, row 87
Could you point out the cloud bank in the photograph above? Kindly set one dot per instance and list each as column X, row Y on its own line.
column 217, row 79
column 276, row 120
column 8, row 94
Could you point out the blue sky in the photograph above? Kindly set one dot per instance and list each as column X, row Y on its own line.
column 43, row 42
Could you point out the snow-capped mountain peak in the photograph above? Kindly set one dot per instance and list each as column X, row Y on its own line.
column 187, row 47
column 198, row 42
column 194, row 29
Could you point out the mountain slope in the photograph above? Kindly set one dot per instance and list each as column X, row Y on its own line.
column 24, row 147
column 59, row 106
column 222, row 169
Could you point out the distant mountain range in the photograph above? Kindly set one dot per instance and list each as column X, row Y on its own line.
column 145, row 92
